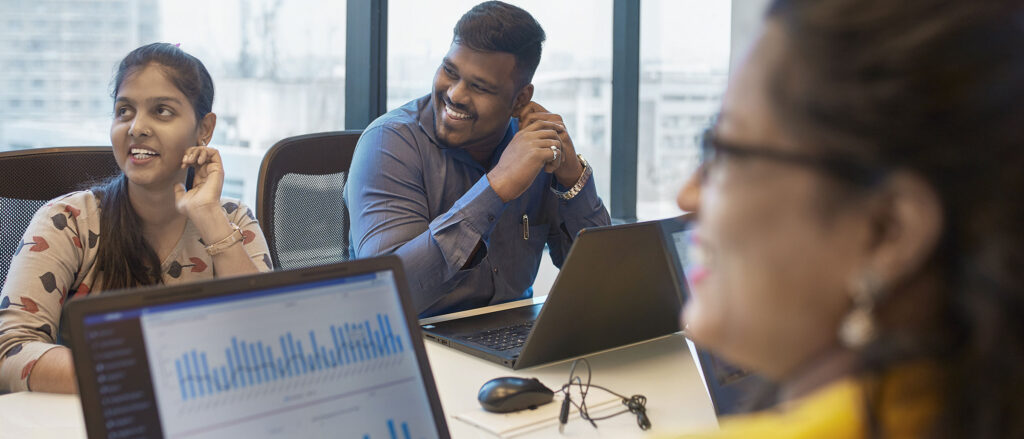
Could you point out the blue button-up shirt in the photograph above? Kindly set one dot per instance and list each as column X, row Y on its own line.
column 431, row 205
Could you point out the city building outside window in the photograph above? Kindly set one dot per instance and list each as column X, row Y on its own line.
column 684, row 65
column 278, row 68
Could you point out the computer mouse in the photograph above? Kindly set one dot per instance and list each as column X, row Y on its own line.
column 510, row 394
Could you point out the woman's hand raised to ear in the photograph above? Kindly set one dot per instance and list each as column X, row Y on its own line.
column 204, row 196
column 201, row 205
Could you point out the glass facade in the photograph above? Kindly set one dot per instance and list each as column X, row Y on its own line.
column 684, row 65
column 279, row 70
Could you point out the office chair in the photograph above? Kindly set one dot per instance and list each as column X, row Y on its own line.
column 31, row 177
column 299, row 200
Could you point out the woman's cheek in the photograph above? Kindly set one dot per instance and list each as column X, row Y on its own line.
column 702, row 315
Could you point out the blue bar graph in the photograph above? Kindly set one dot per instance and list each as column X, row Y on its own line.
column 249, row 363
column 393, row 433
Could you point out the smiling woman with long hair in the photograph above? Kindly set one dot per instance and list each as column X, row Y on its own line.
column 143, row 227
column 860, row 222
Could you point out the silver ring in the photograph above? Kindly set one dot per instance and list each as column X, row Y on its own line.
column 554, row 153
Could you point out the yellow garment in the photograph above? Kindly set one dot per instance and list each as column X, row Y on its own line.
column 907, row 399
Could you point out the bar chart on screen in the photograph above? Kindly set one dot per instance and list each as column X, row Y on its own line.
column 308, row 363
column 247, row 364
column 394, row 431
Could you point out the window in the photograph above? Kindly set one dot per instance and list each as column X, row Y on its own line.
column 684, row 63
column 234, row 188
column 597, row 127
column 573, row 78
column 278, row 68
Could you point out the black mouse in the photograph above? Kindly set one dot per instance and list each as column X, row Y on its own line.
column 510, row 394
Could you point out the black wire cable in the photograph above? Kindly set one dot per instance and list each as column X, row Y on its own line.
column 635, row 404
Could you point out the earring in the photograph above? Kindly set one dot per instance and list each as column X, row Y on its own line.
column 858, row 327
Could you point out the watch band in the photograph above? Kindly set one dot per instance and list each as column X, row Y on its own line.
column 576, row 188
column 233, row 238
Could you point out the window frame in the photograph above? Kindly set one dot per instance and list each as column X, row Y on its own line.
column 366, row 87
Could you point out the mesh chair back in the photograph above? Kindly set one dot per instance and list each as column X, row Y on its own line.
column 299, row 200
column 32, row 177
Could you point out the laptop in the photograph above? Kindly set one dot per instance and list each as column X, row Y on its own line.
column 732, row 390
column 315, row 352
column 618, row 286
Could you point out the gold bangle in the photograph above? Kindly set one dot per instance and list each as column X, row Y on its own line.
column 233, row 238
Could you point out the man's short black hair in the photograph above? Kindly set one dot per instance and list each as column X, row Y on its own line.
column 496, row 26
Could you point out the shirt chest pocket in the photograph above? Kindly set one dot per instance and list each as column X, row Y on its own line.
column 535, row 236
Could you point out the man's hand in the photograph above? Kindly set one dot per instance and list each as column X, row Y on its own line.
column 569, row 169
column 541, row 143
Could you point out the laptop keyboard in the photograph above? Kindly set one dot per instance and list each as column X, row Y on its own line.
column 501, row 339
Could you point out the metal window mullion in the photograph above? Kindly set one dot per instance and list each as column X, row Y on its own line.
column 366, row 47
column 625, row 108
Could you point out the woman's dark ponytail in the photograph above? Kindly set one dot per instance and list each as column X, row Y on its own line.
column 124, row 258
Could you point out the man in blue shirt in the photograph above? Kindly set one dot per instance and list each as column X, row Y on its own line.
column 468, row 183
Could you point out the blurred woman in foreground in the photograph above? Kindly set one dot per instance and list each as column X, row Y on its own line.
column 860, row 221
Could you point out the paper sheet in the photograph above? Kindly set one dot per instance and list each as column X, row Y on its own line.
column 508, row 425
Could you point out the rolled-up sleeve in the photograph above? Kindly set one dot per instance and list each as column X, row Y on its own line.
column 390, row 214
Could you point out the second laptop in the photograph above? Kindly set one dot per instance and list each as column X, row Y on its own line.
column 619, row 285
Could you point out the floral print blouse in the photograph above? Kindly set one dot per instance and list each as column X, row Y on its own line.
column 56, row 261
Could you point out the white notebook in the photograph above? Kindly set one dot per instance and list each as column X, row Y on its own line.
column 508, row 425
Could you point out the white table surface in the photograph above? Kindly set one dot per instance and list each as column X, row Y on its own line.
column 662, row 369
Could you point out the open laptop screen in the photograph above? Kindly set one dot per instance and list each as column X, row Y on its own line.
column 313, row 359
column 732, row 389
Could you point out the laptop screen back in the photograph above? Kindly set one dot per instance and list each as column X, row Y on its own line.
column 312, row 359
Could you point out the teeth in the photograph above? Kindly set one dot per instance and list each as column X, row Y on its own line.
column 142, row 153
column 455, row 114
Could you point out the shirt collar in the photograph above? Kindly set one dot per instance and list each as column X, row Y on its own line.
column 426, row 119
